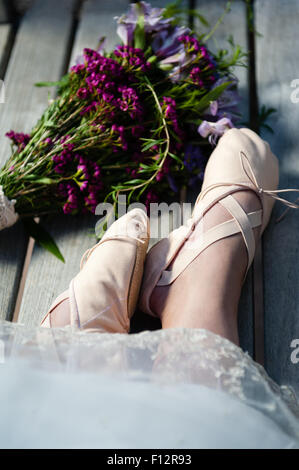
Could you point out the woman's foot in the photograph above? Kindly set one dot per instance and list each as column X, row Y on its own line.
column 206, row 294
column 193, row 278
column 103, row 295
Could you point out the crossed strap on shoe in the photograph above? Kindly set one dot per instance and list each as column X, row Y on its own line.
column 241, row 223
column 255, row 186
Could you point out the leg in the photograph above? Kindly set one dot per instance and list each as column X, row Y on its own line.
column 61, row 314
column 207, row 293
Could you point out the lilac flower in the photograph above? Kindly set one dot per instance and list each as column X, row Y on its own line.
column 153, row 21
column 213, row 108
column 167, row 46
column 214, row 129
column 196, row 179
column 228, row 102
column 195, row 162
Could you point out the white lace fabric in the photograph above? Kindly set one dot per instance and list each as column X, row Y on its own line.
column 8, row 215
column 170, row 357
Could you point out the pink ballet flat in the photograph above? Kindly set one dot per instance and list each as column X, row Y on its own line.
column 241, row 161
column 103, row 295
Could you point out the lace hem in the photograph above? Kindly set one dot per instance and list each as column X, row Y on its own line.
column 193, row 356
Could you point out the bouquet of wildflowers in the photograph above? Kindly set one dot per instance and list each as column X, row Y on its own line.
column 138, row 120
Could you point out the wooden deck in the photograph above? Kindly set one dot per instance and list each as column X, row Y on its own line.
column 43, row 45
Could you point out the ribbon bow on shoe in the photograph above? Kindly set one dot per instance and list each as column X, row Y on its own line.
column 269, row 192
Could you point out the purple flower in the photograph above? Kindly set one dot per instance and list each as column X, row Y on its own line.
column 228, row 101
column 172, row 183
column 150, row 197
column 196, row 76
column 213, row 108
column 169, row 107
column 192, row 44
column 19, row 139
column 194, row 157
column 49, row 142
column 167, row 46
column 82, row 93
column 77, row 68
column 132, row 57
column 214, row 129
column 153, row 21
column 64, row 139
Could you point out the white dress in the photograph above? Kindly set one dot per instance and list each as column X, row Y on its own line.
column 177, row 388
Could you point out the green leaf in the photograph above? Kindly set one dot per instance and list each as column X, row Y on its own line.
column 135, row 181
column 200, row 17
column 42, row 237
column 139, row 33
column 61, row 83
column 269, row 128
column 47, row 84
column 43, row 180
column 151, row 144
column 212, row 95
column 175, row 157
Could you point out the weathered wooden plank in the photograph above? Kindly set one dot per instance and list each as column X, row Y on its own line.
column 47, row 277
column 4, row 34
column 277, row 67
column 38, row 54
column 234, row 24
column 3, row 12
column 97, row 21
column 9, row 282
column 6, row 37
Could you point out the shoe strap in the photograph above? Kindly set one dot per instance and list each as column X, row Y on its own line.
column 254, row 185
column 241, row 222
column 240, row 216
